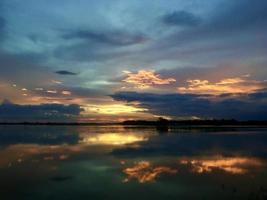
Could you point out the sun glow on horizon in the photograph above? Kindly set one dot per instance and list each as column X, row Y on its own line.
column 114, row 109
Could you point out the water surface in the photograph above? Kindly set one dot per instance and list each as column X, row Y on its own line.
column 116, row 162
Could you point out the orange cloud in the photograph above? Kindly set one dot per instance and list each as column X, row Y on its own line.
column 144, row 79
column 228, row 85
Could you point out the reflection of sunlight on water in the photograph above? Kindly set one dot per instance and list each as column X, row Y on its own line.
column 112, row 139
column 144, row 172
column 236, row 165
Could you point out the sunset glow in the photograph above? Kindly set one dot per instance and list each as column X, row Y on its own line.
column 146, row 63
column 133, row 99
column 114, row 109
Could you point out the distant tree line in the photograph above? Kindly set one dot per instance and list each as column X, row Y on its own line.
column 214, row 122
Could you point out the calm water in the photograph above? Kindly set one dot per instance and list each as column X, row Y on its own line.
column 116, row 162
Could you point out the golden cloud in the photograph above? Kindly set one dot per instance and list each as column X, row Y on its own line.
column 228, row 85
column 144, row 79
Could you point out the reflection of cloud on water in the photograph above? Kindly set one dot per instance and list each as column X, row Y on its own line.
column 143, row 171
column 21, row 153
column 233, row 165
column 112, row 139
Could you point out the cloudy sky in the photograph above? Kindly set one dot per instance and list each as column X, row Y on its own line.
column 113, row 60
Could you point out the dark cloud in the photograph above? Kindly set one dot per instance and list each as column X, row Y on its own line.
column 2, row 23
column 93, row 52
column 86, row 92
column 237, row 16
column 96, row 45
column 216, row 38
column 43, row 112
column 64, row 72
column 2, row 27
column 181, row 18
column 116, row 38
column 225, row 33
column 247, row 107
column 241, row 14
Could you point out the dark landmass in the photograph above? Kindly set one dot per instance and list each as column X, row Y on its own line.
column 161, row 122
column 222, row 122
column 56, row 123
column 163, row 125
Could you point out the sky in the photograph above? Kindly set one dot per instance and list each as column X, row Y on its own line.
column 91, row 61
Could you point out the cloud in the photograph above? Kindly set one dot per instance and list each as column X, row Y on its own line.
column 225, row 33
column 242, row 17
column 181, row 18
column 241, row 14
column 2, row 22
column 2, row 26
column 99, row 45
column 243, row 107
column 116, row 38
column 144, row 79
column 41, row 112
column 137, row 34
column 64, row 72
column 227, row 85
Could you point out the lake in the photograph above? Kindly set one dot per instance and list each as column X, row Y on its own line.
column 117, row 162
